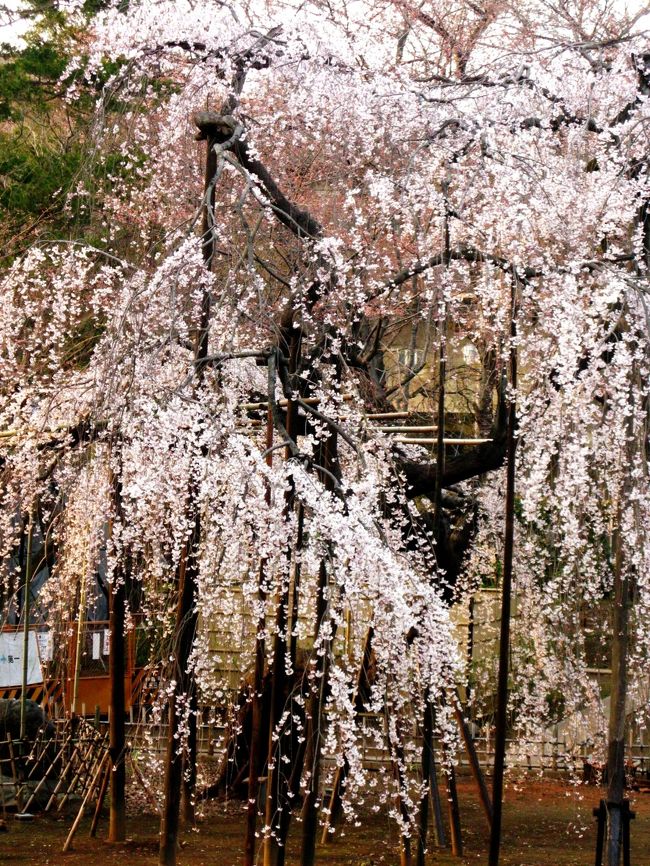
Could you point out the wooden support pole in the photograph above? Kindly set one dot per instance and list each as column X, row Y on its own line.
column 427, row 726
column 313, row 744
column 454, row 813
column 427, row 751
column 70, row 776
column 504, row 639
column 14, row 768
column 328, row 460
column 257, row 697
column 186, row 620
column 397, row 753
column 601, row 816
column 338, row 787
column 438, row 824
column 25, row 613
column 617, row 707
column 117, row 731
column 470, row 748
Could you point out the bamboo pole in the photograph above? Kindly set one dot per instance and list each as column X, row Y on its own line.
column 78, row 647
column 408, row 428
column 84, row 803
column 50, row 769
column 26, row 600
column 87, row 764
column 415, row 440
column 103, row 790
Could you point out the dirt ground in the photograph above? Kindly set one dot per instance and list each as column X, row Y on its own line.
column 545, row 824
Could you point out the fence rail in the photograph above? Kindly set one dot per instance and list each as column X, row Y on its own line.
column 18, row 760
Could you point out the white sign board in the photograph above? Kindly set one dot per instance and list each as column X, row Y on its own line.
column 11, row 660
column 45, row 645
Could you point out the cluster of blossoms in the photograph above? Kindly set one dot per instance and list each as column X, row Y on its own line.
column 442, row 164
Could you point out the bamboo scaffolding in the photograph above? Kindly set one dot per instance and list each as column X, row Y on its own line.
column 91, row 787
column 50, row 769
